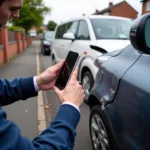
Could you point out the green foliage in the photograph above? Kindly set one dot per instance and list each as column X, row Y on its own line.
column 15, row 28
column 31, row 14
column 51, row 25
column 40, row 31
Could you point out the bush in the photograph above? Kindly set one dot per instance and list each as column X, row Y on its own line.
column 40, row 31
column 15, row 28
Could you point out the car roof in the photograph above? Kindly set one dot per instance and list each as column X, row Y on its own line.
column 107, row 17
column 49, row 32
column 95, row 17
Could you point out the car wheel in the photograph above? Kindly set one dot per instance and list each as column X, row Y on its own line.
column 87, row 83
column 53, row 61
column 100, row 132
column 44, row 52
column 41, row 50
column 49, row 53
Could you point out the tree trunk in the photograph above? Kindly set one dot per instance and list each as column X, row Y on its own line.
column 26, row 31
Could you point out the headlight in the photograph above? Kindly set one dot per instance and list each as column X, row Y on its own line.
column 47, row 43
column 101, row 60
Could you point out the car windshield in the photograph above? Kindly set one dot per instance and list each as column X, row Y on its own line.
column 49, row 35
column 111, row 28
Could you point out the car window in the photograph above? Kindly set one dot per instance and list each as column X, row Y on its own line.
column 68, row 27
column 83, row 32
column 111, row 28
column 49, row 35
column 72, row 27
column 60, row 31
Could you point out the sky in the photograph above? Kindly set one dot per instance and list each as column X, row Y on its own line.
column 63, row 10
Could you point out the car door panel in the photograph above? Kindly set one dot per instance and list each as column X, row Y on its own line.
column 82, row 46
column 134, row 104
column 114, row 69
column 106, row 88
column 60, row 50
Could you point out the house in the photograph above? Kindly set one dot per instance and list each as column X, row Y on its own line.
column 145, row 6
column 122, row 9
column 44, row 28
column 36, row 29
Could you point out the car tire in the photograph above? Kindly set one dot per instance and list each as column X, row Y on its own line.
column 41, row 50
column 53, row 60
column 100, row 132
column 87, row 82
column 44, row 52
column 49, row 53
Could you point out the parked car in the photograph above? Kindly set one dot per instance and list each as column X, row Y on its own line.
column 46, row 42
column 33, row 33
column 91, row 36
column 120, row 98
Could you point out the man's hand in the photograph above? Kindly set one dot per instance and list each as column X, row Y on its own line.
column 47, row 79
column 73, row 93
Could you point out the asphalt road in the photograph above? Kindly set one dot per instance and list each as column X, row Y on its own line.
column 83, row 138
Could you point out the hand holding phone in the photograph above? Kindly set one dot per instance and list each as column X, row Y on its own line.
column 66, row 71
column 73, row 92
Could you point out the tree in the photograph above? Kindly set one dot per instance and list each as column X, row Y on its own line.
column 51, row 25
column 31, row 14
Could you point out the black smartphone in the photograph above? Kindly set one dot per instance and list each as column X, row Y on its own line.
column 68, row 67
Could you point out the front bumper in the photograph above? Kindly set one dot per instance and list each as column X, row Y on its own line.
column 47, row 48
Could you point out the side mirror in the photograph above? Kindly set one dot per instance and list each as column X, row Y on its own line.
column 140, row 34
column 69, row 36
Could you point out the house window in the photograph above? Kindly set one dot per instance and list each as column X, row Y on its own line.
column 148, row 6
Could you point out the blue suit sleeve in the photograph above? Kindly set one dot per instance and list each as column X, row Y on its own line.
column 18, row 89
column 59, row 136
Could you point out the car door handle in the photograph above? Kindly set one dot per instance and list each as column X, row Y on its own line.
column 62, row 45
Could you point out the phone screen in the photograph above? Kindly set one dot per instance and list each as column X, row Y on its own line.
column 66, row 70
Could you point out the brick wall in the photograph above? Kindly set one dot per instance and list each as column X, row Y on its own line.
column 12, row 43
column 12, row 50
column 124, row 10
column 1, row 56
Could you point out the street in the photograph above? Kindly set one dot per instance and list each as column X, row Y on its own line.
column 24, row 113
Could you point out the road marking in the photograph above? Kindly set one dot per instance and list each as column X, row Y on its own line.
column 40, row 101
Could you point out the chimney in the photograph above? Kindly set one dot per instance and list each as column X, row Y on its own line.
column 97, row 11
column 110, row 4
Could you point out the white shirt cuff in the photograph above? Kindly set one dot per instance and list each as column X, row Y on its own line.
column 35, row 84
column 72, row 105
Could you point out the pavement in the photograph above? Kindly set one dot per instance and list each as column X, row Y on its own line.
column 23, row 113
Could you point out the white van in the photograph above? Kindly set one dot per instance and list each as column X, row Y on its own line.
column 91, row 36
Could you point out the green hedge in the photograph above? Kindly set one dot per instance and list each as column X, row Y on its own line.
column 15, row 28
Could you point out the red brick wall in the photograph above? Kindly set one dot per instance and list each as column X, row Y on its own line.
column 25, row 44
column 124, row 10
column 21, row 46
column 12, row 48
column 1, row 57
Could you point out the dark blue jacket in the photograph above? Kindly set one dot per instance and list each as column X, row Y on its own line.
column 59, row 136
